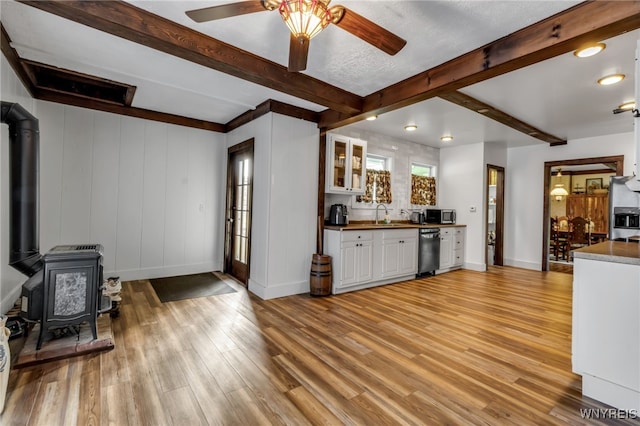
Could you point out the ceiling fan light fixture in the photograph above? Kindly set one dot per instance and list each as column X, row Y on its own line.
column 410, row 127
column 305, row 18
column 590, row 50
column 611, row 79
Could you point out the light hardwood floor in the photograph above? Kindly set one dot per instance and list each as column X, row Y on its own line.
column 459, row 348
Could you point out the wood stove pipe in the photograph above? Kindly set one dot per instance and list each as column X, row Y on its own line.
column 24, row 141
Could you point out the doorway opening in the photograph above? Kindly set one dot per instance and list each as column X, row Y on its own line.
column 495, row 215
column 586, row 182
column 238, row 210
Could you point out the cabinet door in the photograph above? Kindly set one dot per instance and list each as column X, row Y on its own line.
column 338, row 162
column 364, row 261
column 356, row 263
column 408, row 256
column 346, row 165
column 391, row 253
column 446, row 248
column 358, row 165
column 348, row 265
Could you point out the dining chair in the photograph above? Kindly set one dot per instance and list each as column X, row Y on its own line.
column 558, row 240
column 579, row 234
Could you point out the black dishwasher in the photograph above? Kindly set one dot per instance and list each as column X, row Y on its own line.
column 428, row 251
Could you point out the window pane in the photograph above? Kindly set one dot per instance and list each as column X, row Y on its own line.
column 376, row 163
column 420, row 169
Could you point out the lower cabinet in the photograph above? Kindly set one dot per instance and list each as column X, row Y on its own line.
column 399, row 252
column 362, row 259
column 451, row 247
column 356, row 262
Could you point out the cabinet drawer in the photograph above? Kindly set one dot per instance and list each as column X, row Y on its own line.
column 357, row 236
column 394, row 234
column 458, row 257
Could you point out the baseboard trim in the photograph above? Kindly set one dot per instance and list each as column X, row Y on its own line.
column 165, row 271
column 278, row 290
column 536, row 266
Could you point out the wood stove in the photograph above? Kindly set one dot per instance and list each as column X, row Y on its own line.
column 72, row 288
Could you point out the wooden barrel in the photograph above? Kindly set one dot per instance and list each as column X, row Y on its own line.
column 320, row 280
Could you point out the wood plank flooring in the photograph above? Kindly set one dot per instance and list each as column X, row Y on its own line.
column 459, row 348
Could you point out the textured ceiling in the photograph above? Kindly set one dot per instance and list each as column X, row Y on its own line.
column 559, row 95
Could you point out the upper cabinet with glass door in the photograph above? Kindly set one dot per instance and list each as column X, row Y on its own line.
column 346, row 160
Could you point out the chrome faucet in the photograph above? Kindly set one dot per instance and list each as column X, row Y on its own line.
column 386, row 212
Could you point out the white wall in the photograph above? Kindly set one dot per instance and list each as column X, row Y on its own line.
column 462, row 186
column 285, row 188
column 149, row 192
column 404, row 153
column 525, row 190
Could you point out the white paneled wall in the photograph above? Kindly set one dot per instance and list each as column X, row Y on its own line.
column 285, row 194
column 151, row 193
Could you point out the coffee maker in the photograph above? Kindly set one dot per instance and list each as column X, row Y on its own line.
column 338, row 215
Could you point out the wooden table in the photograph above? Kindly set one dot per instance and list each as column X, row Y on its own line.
column 596, row 237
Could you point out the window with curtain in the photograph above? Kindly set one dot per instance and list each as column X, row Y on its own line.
column 423, row 185
column 378, row 181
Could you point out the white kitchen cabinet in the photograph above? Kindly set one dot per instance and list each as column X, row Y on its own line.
column 451, row 247
column 368, row 258
column 356, row 262
column 399, row 252
column 346, row 164
column 352, row 257
column 606, row 325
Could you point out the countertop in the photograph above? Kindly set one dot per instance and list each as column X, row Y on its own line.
column 611, row 251
column 357, row 226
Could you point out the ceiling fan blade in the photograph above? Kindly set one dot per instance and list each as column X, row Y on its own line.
column 226, row 10
column 298, row 51
column 369, row 31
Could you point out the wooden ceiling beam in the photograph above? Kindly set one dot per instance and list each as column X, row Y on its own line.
column 139, row 26
column 500, row 116
column 556, row 35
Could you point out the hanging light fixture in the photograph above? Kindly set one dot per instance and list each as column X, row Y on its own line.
column 559, row 191
column 305, row 18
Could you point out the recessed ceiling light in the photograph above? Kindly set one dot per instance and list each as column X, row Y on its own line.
column 587, row 51
column 611, row 79
column 446, row 138
column 410, row 127
column 371, row 117
column 483, row 110
column 628, row 105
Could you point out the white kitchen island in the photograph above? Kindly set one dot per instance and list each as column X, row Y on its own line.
column 606, row 323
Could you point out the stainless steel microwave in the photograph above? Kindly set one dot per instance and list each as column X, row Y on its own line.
column 441, row 216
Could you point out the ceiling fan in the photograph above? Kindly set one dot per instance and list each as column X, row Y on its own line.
column 305, row 19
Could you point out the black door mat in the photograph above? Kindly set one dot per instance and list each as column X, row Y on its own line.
column 184, row 287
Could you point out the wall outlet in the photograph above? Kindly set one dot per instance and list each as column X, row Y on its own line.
column 472, row 209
